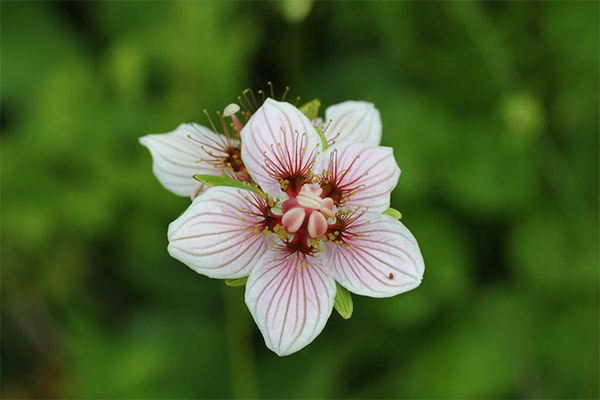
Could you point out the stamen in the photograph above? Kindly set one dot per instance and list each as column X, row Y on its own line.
column 210, row 120
column 254, row 107
column 271, row 86
column 220, row 150
column 230, row 111
column 334, row 183
column 343, row 230
column 254, row 99
column 246, row 110
column 287, row 89
column 289, row 163
column 324, row 128
column 223, row 124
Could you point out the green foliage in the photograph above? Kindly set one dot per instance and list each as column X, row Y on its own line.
column 212, row 180
column 393, row 213
column 236, row 282
column 491, row 109
column 311, row 109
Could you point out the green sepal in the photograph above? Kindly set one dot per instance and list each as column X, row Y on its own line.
column 343, row 302
column 236, row 282
column 213, row 180
column 393, row 212
column 311, row 109
column 323, row 138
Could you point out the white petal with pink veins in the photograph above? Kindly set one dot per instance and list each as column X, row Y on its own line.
column 278, row 140
column 356, row 121
column 216, row 237
column 368, row 174
column 176, row 157
column 289, row 301
column 382, row 258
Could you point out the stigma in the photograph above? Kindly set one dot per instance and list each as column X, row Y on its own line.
column 307, row 213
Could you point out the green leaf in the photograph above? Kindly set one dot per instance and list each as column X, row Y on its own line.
column 323, row 138
column 212, row 180
column 393, row 212
column 236, row 282
column 343, row 302
column 311, row 109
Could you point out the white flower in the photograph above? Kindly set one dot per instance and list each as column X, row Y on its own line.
column 316, row 221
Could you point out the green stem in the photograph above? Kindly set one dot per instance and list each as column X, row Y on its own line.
column 239, row 331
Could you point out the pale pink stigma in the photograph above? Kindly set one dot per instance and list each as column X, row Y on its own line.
column 317, row 225
column 293, row 219
column 309, row 204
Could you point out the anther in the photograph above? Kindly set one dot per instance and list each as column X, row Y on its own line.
column 230, row 111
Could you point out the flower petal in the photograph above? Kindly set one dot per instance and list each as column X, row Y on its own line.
column 289, row 300
column 356, row 121
column 362, row 175
column 216, row 236
column 380, row 258
column 279, row 142
column 177, row 157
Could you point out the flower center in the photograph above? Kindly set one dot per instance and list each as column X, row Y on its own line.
column 307, row 213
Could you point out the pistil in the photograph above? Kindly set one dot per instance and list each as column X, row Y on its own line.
column 307, row 213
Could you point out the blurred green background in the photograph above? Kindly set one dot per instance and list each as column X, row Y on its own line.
column 492, row 110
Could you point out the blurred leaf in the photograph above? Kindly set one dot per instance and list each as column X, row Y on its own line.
column 523, row 117
column 548, row 259
column 479, row 354
column 296, row 10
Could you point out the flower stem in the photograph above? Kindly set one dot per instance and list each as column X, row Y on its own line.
column 239, row 332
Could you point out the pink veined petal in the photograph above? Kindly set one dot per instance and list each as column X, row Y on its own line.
column 289, row 300
column 176, row 157
column 366, row 174
column 216, row 235
column 357, row 121
column 278, row 142
column 381, row 259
